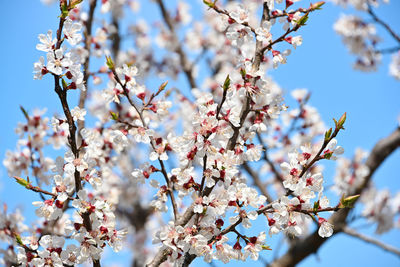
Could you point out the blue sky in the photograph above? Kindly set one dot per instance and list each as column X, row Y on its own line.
column 322, row 64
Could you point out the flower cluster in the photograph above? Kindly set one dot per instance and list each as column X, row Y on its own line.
column 360, row 36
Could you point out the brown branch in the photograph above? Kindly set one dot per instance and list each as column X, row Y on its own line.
column 39, row 190
column 383, row 24
column 370, row 240
column 162, row 255
column 152, row 143
column 115, row 37
column 257, row 181
column 186, row 66
column 271, row 164
column 309, row 245
column 62, row 94
column 86, row 73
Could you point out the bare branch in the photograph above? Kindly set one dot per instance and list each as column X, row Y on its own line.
column 384, row 24
column 86, row 73
column 371, row 240
column 257, row 181
column 187, row 67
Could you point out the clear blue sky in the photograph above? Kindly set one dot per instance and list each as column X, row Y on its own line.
column 322, row 64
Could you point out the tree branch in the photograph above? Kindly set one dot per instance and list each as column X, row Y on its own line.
column 186, row 66
column 383, row 24
column 309, row 245
column 370, row 240
column 86, row 73
column 257, row 181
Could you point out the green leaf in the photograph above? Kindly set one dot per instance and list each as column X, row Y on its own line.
column 209, row 3
column 328, row 134
column 74, row 3
column 336, row 123
column 18, row 239
column 64, row 10
column 110, row 63
column 114, row 115
column 341, row 121
column 328, row 155
column 265, row 247
column 318, row 5
column 316, row 206
column 348, row 202
column 227, row 83
column 21, row 181
column 302, row 21
column 25, row 112
column 243, row 73
column 64, row 84
column 162, row 86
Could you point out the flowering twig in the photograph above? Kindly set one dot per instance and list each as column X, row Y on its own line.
column 225, row 12
column 37, row 189
column 62, row 94
column 328, row 137
column 309, row 245
column 152, row 143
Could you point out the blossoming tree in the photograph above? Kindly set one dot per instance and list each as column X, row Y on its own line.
column 193, row 167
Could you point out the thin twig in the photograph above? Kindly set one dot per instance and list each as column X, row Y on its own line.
column 86, row 64
column 371, row 240
column 257, row 181
column 384, row 24
column 186, row 66
column 152, row 143
column 271, row 164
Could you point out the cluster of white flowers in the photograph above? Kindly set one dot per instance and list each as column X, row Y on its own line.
column 59, row 61
column 381, row 208
column 394, row 67
column 360, row 4
column 360, row 38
